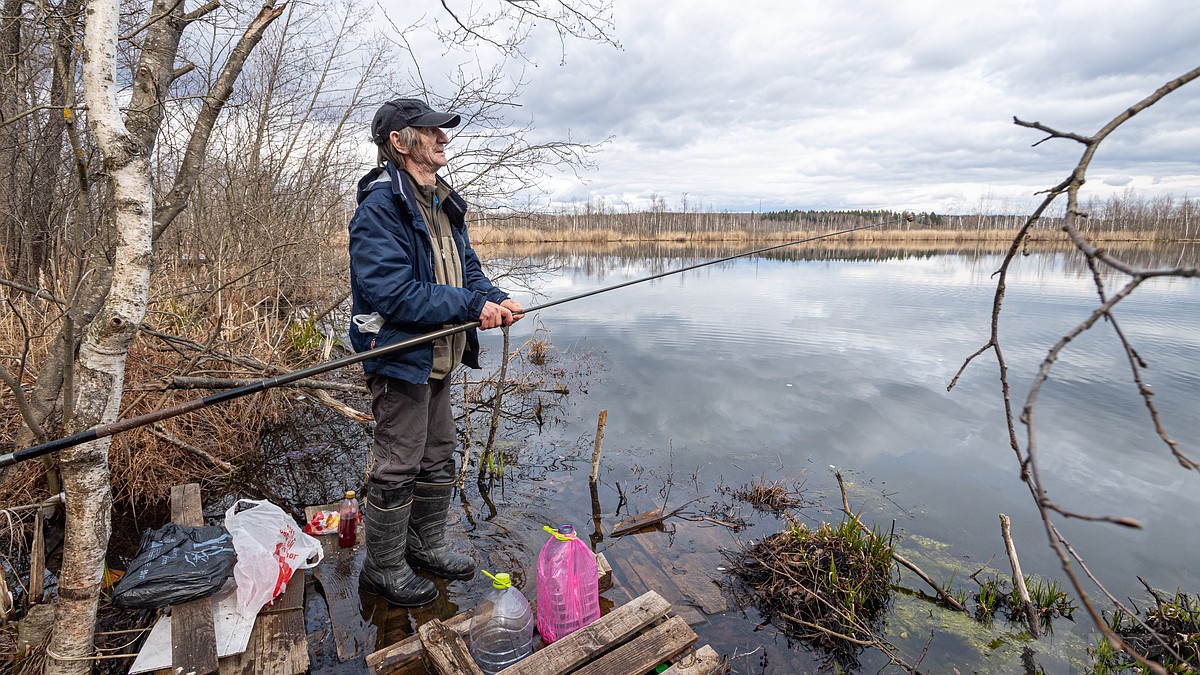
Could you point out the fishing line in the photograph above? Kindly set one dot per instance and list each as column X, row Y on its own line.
column 112, row 428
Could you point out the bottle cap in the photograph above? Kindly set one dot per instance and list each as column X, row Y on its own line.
column 563, row 533
column 499, row 580
column 349, row 494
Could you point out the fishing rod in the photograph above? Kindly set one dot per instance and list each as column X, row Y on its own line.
column 119, row 426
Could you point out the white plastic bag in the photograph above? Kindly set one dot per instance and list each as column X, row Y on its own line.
column 270, row 548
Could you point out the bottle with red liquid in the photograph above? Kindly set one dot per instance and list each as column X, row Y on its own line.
column 348, row 521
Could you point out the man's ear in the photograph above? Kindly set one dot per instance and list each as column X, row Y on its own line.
column 394, row 139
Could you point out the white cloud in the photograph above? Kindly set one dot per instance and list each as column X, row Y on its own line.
column 880, row 104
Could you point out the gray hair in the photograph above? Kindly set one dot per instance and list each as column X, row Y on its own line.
column 387, row 152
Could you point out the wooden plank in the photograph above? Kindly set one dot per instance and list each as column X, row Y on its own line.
column 278, row 646
column 593, row 639
column 648, row 569
column 696, row 583
column 403, row 654
column 704, row 661
column 657, row 645
column 193, row 633
column 335, row 574
column 185, row 505
column 638, row 522
column 446, row 649
column 605, row 572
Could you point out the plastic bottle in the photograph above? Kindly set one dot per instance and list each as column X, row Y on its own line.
column 348, row 521
column 568, row 596
column 507, row 636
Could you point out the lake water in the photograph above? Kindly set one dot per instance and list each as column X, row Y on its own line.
column 784, row 367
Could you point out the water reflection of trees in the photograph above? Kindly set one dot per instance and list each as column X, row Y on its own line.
column 312, row 458
column 599, row 261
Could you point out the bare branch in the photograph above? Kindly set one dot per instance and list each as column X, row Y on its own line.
column 201, row 11
column 1100, row 262
column 35, row 292
column 151, row 21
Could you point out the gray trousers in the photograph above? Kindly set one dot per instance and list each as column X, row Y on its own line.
column 414, row 432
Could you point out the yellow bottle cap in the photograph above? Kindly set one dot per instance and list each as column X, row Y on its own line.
column 499, row 580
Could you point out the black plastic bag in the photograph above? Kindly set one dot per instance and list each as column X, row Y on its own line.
column 174, row 564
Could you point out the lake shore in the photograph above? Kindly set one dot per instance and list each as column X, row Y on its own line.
column 489, row 233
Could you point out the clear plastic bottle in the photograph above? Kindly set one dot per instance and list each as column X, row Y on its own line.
column 348, row 521
column 568, row 596
column 507, row 636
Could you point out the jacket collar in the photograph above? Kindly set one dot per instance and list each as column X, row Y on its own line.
column 388, row 176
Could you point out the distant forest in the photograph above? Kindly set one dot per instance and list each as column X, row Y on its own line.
column 1163, row 217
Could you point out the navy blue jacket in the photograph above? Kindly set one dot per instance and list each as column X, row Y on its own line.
column 391, row 272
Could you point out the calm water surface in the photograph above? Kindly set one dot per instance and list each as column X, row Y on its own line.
column 780, row 369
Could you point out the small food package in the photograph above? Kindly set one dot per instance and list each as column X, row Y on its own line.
column 322, row 522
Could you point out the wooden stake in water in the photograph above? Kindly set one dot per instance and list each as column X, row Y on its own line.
column 596, row 451
column 1018, row 578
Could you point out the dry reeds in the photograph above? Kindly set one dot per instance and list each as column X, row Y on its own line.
column 744, row 227
column 249, row 328
column 776, row 496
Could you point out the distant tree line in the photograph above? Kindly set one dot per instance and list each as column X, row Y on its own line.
column 1128, row 214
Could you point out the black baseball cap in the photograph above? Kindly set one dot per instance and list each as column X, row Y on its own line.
column 407, row 112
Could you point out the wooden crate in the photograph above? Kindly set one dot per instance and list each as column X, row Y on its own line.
column 633, row 638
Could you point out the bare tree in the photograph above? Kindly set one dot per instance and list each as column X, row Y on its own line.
column 214, row 187
column 1103, row 265
column 108, row 311
column 101, row 361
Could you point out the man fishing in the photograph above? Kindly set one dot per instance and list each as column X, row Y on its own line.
column 412, row 271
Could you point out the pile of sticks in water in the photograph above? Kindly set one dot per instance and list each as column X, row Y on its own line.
column 828, row 586
column 1169, row 633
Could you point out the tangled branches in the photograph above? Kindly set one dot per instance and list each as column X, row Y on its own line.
column 1102, row 265
column 828, row 586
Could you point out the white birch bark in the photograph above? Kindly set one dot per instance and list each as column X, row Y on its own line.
column 101, row 360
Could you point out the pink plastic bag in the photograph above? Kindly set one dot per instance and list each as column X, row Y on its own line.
column 270, row 548
column 568, row 594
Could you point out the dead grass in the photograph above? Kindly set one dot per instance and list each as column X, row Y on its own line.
column 242, row 330
column 777, row 496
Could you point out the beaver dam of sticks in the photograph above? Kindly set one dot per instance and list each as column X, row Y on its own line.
column 828, row 586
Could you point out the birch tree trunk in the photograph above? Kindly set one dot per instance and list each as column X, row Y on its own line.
column 101, row 360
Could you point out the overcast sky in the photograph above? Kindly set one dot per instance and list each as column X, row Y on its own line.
column 825, row 104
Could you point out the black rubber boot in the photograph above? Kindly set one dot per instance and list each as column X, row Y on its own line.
column 385, row 572
column 427, row 548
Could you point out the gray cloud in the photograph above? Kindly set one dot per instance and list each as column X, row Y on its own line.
column 882, row 104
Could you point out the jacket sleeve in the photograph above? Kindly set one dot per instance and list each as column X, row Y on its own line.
column 383, row 254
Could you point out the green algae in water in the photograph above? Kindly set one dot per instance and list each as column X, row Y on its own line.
column 960, row 641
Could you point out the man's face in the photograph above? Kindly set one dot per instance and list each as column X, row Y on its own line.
column 429, row 155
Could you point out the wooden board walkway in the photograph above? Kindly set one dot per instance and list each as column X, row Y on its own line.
column 632, row 638
column 406, row 657
column 352, row 636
